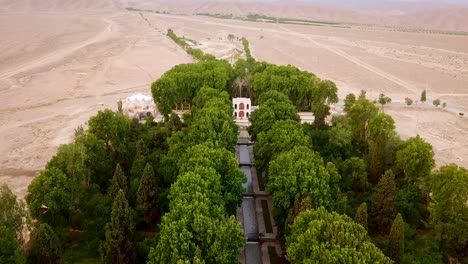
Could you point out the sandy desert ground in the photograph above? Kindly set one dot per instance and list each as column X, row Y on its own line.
column 55, row 76
column 57, row 70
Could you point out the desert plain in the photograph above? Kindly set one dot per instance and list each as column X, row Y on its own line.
column 58, row 68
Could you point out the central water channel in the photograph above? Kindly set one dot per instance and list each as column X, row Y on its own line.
column 252, row 249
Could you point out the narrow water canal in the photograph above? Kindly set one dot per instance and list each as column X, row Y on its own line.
column 252, row 252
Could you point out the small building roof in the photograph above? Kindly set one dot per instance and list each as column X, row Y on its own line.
column 139, row 97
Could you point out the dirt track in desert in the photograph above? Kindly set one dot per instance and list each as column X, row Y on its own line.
column 77, row 64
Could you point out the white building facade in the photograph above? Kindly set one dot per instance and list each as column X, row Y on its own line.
column 242, row 108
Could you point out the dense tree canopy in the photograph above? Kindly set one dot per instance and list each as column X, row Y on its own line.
column 148, row 197
column 449, row 211
column 49, row 197
column 225, row 164
column 383, row 203
column 381, row 131
column 216, row 127
column 416, row 158
column 10, row 247
column 318, row 236
column 296, row 84
column 396, row 243
column 301, row 173
column 45, row 246
column 269, row 113
column 180, row 85
column 360, row 113
column 196, row 223
column 283, row 136
column 12, row 211
column 118, row 246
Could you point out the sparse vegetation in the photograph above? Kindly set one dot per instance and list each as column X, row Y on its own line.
column 195, row 53
column 436, row 102
column 423, row 96
column 408, row 101
column 383, row 99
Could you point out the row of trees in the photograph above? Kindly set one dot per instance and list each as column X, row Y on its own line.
column 208, row 187
column 104, row 194
column 197, row 54
column 318, row 174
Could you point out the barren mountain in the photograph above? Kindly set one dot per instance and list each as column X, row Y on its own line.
column 55, row 5
column 410, row 14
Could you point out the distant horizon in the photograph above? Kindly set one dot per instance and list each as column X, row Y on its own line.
column 354, row 3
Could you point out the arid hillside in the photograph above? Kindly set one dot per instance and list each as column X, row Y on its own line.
column 409, row 15
column 55, row 5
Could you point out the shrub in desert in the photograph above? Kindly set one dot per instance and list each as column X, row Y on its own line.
column 423, row 96
column 436, row 102
column 408, row 101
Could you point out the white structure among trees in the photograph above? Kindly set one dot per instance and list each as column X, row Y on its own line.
column 140, row 106
column 242, row 108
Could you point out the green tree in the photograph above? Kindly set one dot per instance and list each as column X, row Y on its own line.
column 436, row 102
column 449, row 188
column 381, row 130
column 10, row 247
column 276, row 96
column 147, row 196
column 359, row 116
column 416, row 158
column 272, row 110
column 423, row 96
column 13, row 211
column 45, row 246
column 354, row 173
column 206, row 94
column 349, row 101
column 383, row 99
column 49, row 197
column 396, row 240
column 362, row 94
column 177, row 87
column 297, row 85
column 115, row 130
column 225, row 164
column 383, row 203
column 324, row 95
column 119, row 182
column 118, row 246
column 197, row 216
column 140, row 160
column 361, row 215
column 283, row 136
column 408, row 101
column 214, row 126
column 318, row 236
column 300, row 173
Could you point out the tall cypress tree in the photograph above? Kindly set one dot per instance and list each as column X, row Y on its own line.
column 119, row 182
column 147, row 196
column 361, row 215
column 45, row 246
column 118, row 246
column 396, row 243
column 383, row 203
